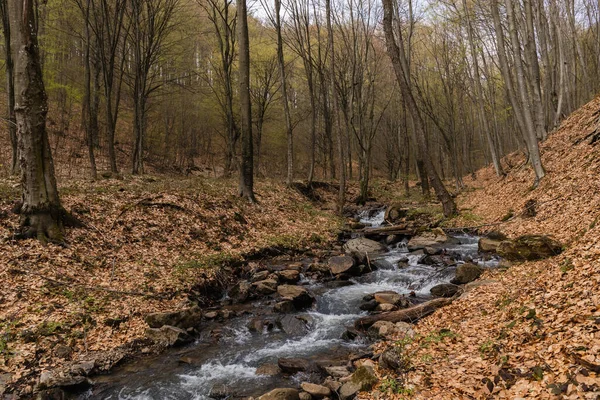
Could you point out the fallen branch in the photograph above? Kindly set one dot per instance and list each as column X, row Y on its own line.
column 411, row 314
column 389, row 230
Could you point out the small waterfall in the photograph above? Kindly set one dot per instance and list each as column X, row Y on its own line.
column 374, row 218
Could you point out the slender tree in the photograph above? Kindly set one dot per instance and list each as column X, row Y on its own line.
column 397, row 54
column 246, row 188
column 10, row 86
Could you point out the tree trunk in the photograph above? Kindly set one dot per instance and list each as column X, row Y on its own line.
column 10, row 87
column 400, row 64
column 479, row 90
column 41, row 212
column 90, row 110
column 530, row 133
column 284, row 96
column 335, row 105
column 246, row 188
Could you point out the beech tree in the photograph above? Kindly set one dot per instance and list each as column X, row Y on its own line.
column 42, row 214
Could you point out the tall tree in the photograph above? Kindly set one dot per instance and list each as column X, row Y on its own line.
column 246, row 188
column 151, row 24
column 41, row 212
column 284, row 96
column 10, row 86
column 398, row 56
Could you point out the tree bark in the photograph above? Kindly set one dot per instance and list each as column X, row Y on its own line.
column 399, row 62
column 284, row 96
column 10, row 87
column 41, row 212
column 246, row 188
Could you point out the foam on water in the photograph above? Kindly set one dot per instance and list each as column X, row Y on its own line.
column 374, row 219
column 240, row 352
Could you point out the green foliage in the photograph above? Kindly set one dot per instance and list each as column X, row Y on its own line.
column 49, row 328
column 509, row 215
column 566, row 265
column 395, row 386
column 488, row 348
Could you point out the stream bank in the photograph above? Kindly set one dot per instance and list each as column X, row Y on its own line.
column 256, row 340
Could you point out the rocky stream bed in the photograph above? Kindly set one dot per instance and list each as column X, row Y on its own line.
column 302, row 327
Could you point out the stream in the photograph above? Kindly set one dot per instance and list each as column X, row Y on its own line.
column 227, row 366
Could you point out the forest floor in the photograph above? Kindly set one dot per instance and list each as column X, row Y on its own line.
column 533, row 329
column 149, row 242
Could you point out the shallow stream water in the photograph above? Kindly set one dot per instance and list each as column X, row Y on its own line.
column 233, row 359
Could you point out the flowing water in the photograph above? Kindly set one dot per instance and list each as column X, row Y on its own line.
column 235, row 357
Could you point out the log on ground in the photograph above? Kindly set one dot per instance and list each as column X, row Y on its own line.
column 411, row 314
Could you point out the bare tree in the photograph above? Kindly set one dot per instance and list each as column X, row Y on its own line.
column 151, row 24
column 223, row 17
column 10, row 86
column 246, row 188
column 397, row 54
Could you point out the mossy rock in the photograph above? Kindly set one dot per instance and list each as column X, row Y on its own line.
column 529, row 248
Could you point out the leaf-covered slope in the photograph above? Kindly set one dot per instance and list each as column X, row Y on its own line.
column 533, row 331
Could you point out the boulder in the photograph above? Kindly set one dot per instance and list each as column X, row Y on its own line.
column 332, row 384
column 432, row 251
column 361, row 247
column 349, row 390
column 427, row 239
column 284, row 307
column 487, row 245
column 289, row 276
column 432, row 260
column 444, row 290
column 369, row 305
column 382, row 330
column 187, row 318
column 50, row 379
column 343, row 265
column 387, row 297
column 258, row 325
column 293, row 325
column 265, row 287
column 281, row 394
column 362, row 379
column 220, row 392
column 241, row 291
column 298, row 295
column 168, row 336
column 260, row 276
column 365, row 377
column 390, row 297
column 337, row 371
column 395, row 212
column 386, row 307
column 392, row 358
column 293, row 365
column 268, row 370
column 316, row 391
column 466, row 273
column 529, row 248
column 305, row 396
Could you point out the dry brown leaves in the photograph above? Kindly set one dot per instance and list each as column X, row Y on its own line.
column 149, row 236
column 535, row 331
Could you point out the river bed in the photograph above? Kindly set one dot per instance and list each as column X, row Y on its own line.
column 226, row 363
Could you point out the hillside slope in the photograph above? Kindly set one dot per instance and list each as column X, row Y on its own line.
column 533, row 330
